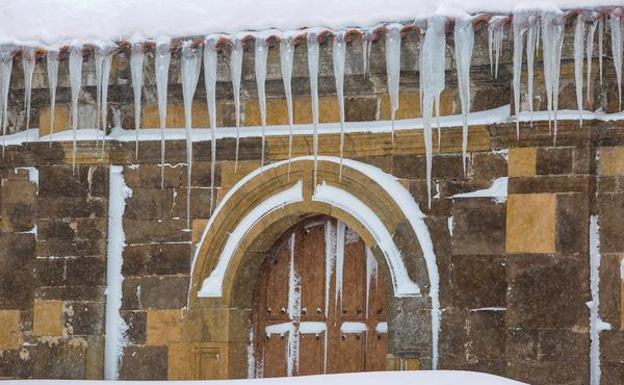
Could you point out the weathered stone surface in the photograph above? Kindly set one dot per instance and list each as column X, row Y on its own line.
column 552, row 161
column 488, row 165
column 137, row 325
column 572, row 223
column 611, row 161
column 547, row 292
column 168, row 292
column 84, row 318
column 487, row 335
column 611, row 221
column 530, row 223
column 16, row 276
column 478, row 227
column 478, row 282
column 144, row 363
column 522, row 161
column 60, row 358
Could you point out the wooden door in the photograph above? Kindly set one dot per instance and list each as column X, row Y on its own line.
column 319, row 304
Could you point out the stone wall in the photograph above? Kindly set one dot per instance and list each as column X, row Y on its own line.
column 514, row 275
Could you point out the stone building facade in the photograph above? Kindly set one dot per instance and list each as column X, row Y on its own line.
column 514, row 272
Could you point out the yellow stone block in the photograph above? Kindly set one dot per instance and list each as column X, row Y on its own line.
column 531, row 223
column 229, row 177
column 611, row 161
column 521, row 161
column 328, row 109
column 10, row 329
column 48, row 318
column 61, row 120
column 181, row 362
column 198, row 228
column 151, row 119
column 277, row 112
column 164, row 326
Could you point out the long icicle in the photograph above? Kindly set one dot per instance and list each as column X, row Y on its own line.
column 52, row 68
column 28, row 63
column 161, row 63
column 137, row 56
column 261, row 51
column 210, row 80
column 338, row 56
column 393, row 68
column 589, row 54
column 287, row 50
column 519, row 28
column 532, row 40
column 616, row 50
column 552, row 39
column 464, row 44
column 236, row 66
column 190, row 69
column 432, row 64
column 601, row 24
column 99, row 62
column 579, row 42
column 6, row 59
column 75, row 74
column 107, row 52
column 313, row 59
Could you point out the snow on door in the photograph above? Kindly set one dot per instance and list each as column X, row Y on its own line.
column 319, row 304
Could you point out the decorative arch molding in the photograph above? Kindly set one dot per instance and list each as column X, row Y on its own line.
column 266, row 202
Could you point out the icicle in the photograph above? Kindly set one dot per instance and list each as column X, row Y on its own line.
column 367, row 41
column 330, row 260
column 262, row 50
column 519, row 28
column 75, row 74
column 340, row 248
column 313, row 59
column 210, row 80
column 464, row 44
column 236, row 66
column 287, row 50
column 191, row 66
column 590, row 55
column 338, row 53
column 294, row 310
column 371, row 270
column 107, row 53
column 495, row 42
column 616, row 49
column 601, row 23
column 162, row 58
column 490, row 31
column 393, row 68
column 552, row 36
column 432, row 64
column 137, row 56
column 52, row 67
column 532, row 42
column 579, row 40
column 6, row 59
column 99, row 62
column 28, row 63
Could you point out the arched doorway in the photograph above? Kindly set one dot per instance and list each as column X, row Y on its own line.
column 320, row 304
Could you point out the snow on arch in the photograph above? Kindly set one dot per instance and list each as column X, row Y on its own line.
column 395, row 190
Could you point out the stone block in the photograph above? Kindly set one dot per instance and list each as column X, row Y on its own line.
column 328, row 109
column 168, row 292
column 86, row 271
column 554, row 161
column 360, row 109
column 486, row 166
column 60, row 358
column 84, row 318
column 478, row 227
column 164, row 326
column 522, row 161
column 48, row 318
column 572, row 223
column 199, row 226
column 149, row 204
column 478, row 282
column 136, row 333
column 144, row 363
column 62, row 120
column 530, row 223
column 277, row 112
column 10, row 332
column 611, row 222
column 611, row 161
column 547, row 292
column 486, row 335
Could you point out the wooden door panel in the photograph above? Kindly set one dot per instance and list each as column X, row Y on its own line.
column 277, row 276
column 351, row 349
column 311, row 353
column 275, row 352
column 312, row 272
column 353, row 294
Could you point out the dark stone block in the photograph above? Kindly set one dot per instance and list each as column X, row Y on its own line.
column 549, row 184
column 164, row 292
column 62, row 359
column 13, row 366
column 55, row 228
column 486, row 335
column 134, row 260
column 478, row 227
column 59, row 181
column 85, row 318
column 360, row 109
column 409, row 323
column 170, row 230
column 200, row 203
column 200, row 174
column 149, row 176
column 131, row 290
column 149, row 204
column 478, row 282
column 50, row 271
column 563, row 345
column 144, row 363
column 67, row 207
column 444, row 166
column 547, row 292
column 610, row 290
column 521, row 344
column 554, row 161
column 170, row 259
column 16, row 271
column 136, row 321
column 453, row 337
column 487, row 166
column 19, row 216
column 70, row 293
column 56, row 247
column 611, row 223
column 572, row 223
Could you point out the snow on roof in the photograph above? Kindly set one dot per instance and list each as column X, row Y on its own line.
column 58, row 22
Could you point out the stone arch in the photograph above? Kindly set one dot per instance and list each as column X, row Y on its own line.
column 267, row 202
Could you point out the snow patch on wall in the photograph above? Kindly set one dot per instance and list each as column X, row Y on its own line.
column 115, row 325
column 213, row 285
column 497, row 191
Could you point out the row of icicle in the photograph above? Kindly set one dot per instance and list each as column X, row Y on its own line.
column 432, row 63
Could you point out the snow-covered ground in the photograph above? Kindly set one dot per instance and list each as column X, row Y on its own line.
column 424, row 377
